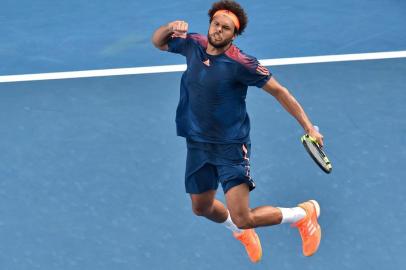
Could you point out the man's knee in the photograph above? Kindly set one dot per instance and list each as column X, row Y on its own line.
column 202, row 204
column 202, row 209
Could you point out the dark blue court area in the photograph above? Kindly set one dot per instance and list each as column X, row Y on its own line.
column 91, row 171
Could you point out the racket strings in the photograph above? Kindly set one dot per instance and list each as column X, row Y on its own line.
column 316, row 152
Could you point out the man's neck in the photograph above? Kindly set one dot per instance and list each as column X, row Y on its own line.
column 216, row 51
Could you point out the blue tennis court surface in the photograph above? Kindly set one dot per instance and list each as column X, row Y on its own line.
column 91, row 172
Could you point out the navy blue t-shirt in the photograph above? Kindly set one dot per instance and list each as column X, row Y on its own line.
column 213, row 90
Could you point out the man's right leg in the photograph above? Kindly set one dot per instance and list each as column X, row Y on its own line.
column 205, row 204
column 202, row 184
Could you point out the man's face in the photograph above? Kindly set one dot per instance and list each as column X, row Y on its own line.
column 221, row 31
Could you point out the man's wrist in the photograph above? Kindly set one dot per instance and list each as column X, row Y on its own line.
column 308, row 128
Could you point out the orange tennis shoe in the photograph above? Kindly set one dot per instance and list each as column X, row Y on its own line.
column 309, row 228
column 250, row 240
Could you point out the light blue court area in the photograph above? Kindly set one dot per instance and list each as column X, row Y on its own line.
column 92, row 173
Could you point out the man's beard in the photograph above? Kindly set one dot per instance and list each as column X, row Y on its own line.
column 221, row 45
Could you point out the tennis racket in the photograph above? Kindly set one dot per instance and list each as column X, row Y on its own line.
column 316, row 153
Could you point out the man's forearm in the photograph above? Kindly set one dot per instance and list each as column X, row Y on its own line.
column 295, row 109
column 161, row 36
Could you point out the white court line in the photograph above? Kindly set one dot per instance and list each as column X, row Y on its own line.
column 177, row 68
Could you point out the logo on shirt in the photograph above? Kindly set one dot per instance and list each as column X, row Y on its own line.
column 207, row 62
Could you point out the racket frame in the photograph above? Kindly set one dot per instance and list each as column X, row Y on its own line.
column 307, row 138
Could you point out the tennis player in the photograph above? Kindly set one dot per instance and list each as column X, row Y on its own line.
column 212, row 116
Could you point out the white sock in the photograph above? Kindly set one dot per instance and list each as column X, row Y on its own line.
column 292, row 215
column 230, row 224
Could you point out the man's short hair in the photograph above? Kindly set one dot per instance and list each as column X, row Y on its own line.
column 235, row 8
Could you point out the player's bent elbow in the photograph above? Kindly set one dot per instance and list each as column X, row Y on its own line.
column 164, row 47
column 161, row 47
column 158, row 44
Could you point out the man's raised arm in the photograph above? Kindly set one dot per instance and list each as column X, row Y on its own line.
column 162, row 34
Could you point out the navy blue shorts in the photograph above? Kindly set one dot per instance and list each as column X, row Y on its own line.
column 209, row 164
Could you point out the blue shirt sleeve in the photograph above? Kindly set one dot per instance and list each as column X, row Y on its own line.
column 178, row 45
column 252, row 73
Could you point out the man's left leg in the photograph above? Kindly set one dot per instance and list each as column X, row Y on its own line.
column 237, row 199
column 304, row 217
